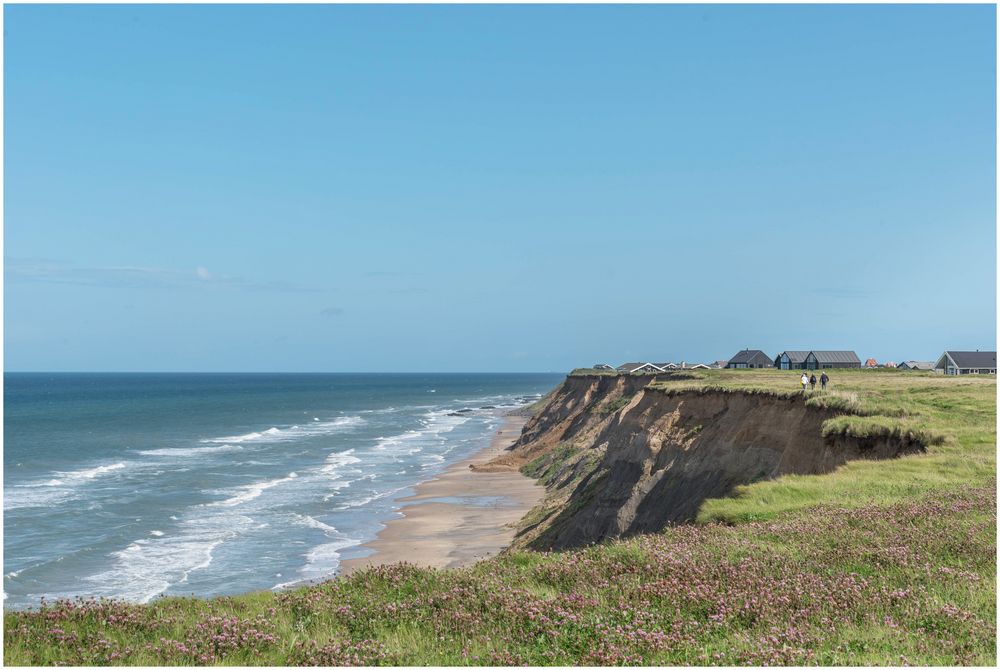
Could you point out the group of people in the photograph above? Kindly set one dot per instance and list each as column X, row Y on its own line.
column 810, row 380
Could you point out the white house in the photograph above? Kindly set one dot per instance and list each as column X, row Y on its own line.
column 629, row 368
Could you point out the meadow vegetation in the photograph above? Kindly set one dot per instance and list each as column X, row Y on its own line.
column 955, row 417
column 878, row 563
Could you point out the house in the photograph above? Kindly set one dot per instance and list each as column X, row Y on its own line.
column 629, row 368
column 666, row 366
column 750, row 358
column 718, row 364
column 817, row 360
column 602, row 366
column 916, row 365
column 871, row 363
column 699, row 366
column 791, row 360
column 889, row 364
column 967, row 363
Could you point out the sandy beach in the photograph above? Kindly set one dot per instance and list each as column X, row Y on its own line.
column 460, row 517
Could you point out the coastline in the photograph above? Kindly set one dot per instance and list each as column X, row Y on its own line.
column 463, row 515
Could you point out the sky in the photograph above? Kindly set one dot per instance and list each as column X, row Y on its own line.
column 494, row 188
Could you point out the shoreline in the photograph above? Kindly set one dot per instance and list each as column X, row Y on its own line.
column 461, row 516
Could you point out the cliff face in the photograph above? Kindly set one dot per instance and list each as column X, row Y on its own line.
column 620, row 458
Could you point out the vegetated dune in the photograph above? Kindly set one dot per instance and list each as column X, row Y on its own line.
column 620, row 456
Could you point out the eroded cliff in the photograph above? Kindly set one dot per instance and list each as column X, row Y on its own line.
column 620, row 457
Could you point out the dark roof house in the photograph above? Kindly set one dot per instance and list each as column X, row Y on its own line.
column 968, row 363
column 815, row 360
column 791, row 360
column 750, row 358
column 832, row 359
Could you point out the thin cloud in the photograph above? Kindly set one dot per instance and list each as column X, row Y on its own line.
column 59, row 272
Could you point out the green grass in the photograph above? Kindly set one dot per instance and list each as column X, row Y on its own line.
column 880, row 563
column 590, row 372
column 954, row 416
column 546, row 466
column 883, row 585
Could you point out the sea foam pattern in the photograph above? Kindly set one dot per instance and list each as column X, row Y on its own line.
column 260, row 482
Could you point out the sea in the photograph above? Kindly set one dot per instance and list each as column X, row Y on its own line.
column 135, row 486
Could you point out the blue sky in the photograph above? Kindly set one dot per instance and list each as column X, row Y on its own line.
column 494, row 188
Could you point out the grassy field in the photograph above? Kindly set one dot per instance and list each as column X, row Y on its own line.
column 881, row 563
column 955, row 415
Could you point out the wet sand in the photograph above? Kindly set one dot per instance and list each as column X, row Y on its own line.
column 460, row 517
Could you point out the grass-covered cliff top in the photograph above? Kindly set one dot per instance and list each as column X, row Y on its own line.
column 955, row 417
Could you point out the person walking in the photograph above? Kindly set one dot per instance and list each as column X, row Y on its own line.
column 812, row 382
column 823, row 379
column 805, row 380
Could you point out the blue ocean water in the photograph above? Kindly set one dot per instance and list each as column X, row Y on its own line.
column 137, row 485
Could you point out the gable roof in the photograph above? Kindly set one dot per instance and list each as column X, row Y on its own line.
column 632, row 367
column 974, row 359
column 918, row 365
column 795, row 356
column 750, row 356
column 836, row 357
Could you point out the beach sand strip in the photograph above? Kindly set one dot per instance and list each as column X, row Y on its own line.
column 461, row 516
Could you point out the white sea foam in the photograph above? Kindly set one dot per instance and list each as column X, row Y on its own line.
column 324, row 559
column 148, row 567
column 311, row 522
column 269, row 435
column 56, row 490
column 249, row 492
column 337, row 460
column 192, row 451
column 435, row 424
column 79, row 476
column 372, row 498
column 291, row 433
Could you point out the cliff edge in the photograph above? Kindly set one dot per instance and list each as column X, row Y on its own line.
column 625, row 454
